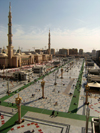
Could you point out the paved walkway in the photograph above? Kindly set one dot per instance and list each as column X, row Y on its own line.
column 54, row 123
column 59, row 120
column 68, row 87
column 43, row 123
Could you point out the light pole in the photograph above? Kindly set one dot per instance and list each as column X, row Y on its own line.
column 29, row 77
column 42, row 85
column 6, row 74
column 87, row 117
column 8, row 87
column 61, row 73
column 56, row 77
column 3, row 70
column 86, row 88
column 18, row 102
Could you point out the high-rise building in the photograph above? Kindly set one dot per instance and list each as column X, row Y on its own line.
column 53, row 51
column 80, row 51
column 73, row 51
column 63, row 52
column 93, row 53
column 98, row 55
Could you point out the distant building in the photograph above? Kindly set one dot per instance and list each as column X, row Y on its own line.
column 38, row 58
column 64, row 52
column 93, row 53
column 0, row 50
column 39, row 69
column 38, row 51
column 80, row 51
column 22, row 75
column 73, row 51
column 53, row 51
column 8, row 57
column 97, row 55
column 56, row 63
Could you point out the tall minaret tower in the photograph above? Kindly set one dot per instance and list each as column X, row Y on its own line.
column 49, row 50
column 10, row 47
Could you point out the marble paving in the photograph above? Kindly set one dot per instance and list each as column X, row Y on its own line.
column 52, row 93
column 94, row 103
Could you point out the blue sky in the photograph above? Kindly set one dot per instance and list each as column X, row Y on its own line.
column 73, row 23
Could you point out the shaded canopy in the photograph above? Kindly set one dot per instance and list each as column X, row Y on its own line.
column 94, row 84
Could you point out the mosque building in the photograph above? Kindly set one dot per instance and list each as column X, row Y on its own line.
column 10, row 59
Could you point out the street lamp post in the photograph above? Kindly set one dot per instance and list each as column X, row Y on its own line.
column 87, row 88
column 18, row 102
column 87, row 117
column 3, row 70
column 28, row 77
column 61, row 73
column 6, row 74
column 42, row 85
column 56, row 77
column 8, row 91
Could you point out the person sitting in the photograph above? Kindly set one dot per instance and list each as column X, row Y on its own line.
column 33, row 131
column 98, row 99
column 53, row 113
column 33, row 95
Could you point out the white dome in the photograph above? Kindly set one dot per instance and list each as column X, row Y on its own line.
column 3, row 54
column 17, row 54
column 29, row 53
column 23, row 53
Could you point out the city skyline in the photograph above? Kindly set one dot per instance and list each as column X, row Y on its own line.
column 73, row 24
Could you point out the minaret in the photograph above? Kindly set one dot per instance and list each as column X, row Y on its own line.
column 49, row 50
column 10, row 47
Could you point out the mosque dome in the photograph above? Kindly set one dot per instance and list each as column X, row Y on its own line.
column 29, row 53
column 3, row 55
column 17, row 54
column 23, row 53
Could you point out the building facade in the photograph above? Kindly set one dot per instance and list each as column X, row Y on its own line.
column 97, row 55
column 73, row 51
column 64, row 52
column 93, row 53
column 80, row 51
column 10, row 59
column 53, row 51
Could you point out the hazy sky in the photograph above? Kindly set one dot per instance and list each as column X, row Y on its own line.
column 72, row 23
